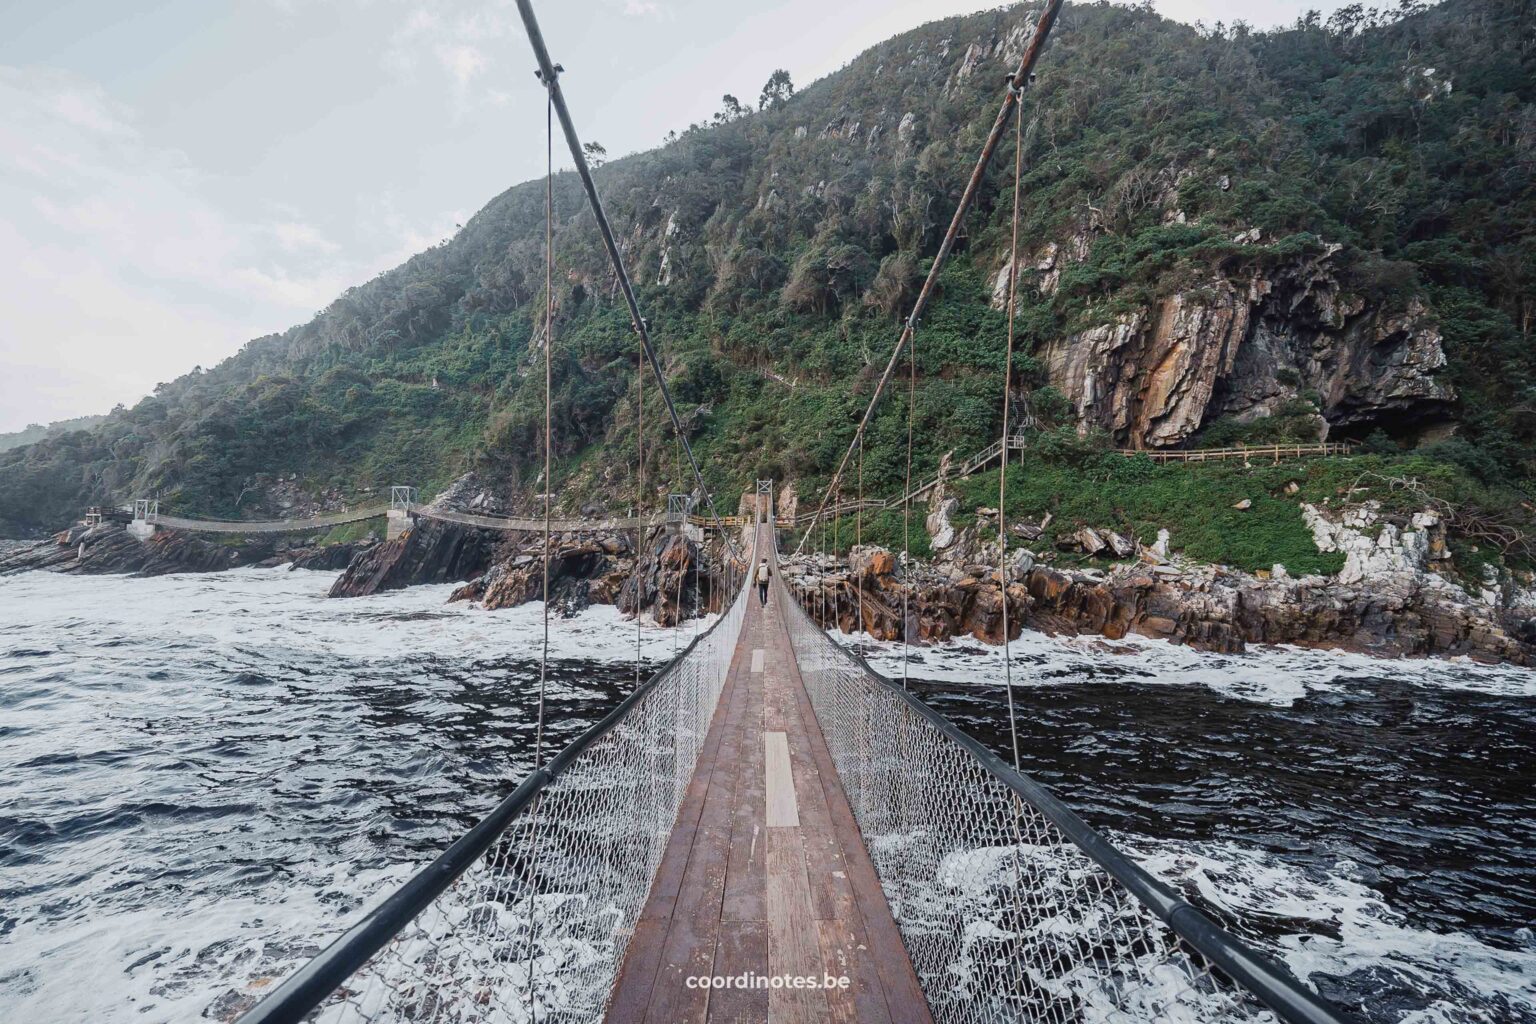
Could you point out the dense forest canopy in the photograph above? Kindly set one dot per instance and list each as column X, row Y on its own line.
column 776, row 250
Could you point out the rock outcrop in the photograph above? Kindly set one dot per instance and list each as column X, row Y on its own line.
column 430, row 551
column 667, row 588
column 675, row 581
column 110, row 548
column 1243, row 348
column 1205, row 607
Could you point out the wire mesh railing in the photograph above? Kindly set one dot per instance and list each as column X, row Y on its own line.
column 529, row 915
column 1010, row 906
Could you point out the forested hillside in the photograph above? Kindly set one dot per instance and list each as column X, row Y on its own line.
column 1228, row 235
column 35, row 432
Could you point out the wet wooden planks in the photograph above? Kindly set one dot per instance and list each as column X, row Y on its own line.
column 765, row 874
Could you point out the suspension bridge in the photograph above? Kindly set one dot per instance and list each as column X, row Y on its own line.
column 144, row 516
column 769, row 830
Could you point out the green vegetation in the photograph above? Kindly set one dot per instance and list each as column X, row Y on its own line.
column 776, row 251
column 1137, row 497
column 346, row 533
column 35, row 432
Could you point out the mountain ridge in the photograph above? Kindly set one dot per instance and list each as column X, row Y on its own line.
column 775, row 252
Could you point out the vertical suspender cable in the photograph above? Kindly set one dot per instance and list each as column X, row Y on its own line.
column 906, row 510
column 677, row 626
column 639, row 504
column 549, row 344
column 1002, row 473
column 858, row 537
column 1016, row 82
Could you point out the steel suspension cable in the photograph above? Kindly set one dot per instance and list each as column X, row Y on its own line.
column 1002, row 473
column 549, row 71
column 906, row 510
column 549, row 344
column 1016, row 82
column 639, row 506
column 684, row 531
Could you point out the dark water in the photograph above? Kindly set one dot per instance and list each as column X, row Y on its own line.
column 1436, row 792
column 204, row 778
column 1378, row 832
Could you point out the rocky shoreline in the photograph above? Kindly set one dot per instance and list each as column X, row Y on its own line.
column 109, row 549
column 678, row 578
column 1394, row 596
column 1205, row 607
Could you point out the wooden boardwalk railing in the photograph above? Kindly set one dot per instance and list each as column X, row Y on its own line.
column 1017, row 442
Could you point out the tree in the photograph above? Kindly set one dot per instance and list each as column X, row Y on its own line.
column 596, row 154
column 730, row 110
column 776, row 91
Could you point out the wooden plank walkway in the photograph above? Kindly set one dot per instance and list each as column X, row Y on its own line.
column 765, row 873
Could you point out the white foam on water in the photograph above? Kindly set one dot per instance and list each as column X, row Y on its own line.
column 289, row 608
column 77, row 953
column 151, row 964
column 1277, row 675
column 1351, row 928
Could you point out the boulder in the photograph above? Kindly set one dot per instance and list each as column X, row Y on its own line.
column 1121, row 546
column 941, row 532
column 1089, row 540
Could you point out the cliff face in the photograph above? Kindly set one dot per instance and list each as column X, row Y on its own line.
column 1243, row 348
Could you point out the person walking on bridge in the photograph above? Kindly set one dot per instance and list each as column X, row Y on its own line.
column 762, row 582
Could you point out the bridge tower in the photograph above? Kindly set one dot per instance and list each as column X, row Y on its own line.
column 401, row 501
column 145, row 512
column 679, row 506
column 765, row 499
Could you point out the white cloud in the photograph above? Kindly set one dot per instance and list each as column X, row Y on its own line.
column 455, row 34
column 294, row 236
column 462, row 62
column 123, row 271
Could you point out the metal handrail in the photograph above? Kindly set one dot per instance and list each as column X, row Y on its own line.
column 308, row 988
column 1266, row 980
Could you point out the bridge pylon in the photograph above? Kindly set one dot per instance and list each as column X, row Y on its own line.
column 765, row 499
column 401, row 500
column 679, row 506
column 145, row 512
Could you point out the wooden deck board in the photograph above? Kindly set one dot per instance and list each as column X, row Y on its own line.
column 737, row 896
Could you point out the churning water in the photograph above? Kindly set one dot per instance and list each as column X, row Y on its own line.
column 1372, row 823
column 204, row 778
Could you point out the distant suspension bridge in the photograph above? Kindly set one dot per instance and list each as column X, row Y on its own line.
column 404, row 505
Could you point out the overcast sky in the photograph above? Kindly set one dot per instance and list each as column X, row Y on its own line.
column 178, row 179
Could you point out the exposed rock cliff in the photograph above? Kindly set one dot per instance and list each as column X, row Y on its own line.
column 1204, row 607
column 429, row 552
column 1242, row 347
